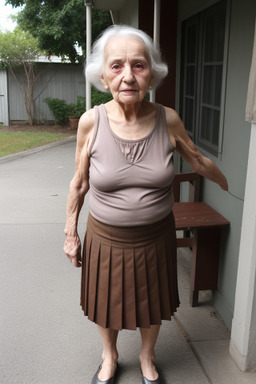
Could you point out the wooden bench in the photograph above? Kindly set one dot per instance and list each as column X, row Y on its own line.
column 201, row 227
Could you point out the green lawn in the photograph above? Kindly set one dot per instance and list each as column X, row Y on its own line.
column 13, row 142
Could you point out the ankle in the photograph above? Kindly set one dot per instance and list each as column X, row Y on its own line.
column 110, row 358
column 147, row 357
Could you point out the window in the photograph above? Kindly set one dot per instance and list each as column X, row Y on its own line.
column 202, row 80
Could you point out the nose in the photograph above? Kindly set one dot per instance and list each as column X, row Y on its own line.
column 128, row 75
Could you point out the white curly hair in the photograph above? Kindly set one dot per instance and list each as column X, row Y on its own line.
column 94, row 66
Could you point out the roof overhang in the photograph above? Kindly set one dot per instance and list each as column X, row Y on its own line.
column 113, row 5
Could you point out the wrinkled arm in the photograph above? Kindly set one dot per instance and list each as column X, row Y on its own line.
column 190, row 153
column 79, row 186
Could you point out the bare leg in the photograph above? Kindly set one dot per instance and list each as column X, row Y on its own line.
column 147, row 353
column 110, row 354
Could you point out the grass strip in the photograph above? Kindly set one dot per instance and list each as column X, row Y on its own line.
column 13, row 142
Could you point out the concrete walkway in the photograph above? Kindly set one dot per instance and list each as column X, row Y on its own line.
column 45, row 338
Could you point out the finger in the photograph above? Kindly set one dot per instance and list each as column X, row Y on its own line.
column 71, row 252
column 75, row 262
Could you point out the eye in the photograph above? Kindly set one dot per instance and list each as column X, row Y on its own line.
column 115, row 67
column 138, row 66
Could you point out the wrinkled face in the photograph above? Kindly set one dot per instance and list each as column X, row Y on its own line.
column 127, row 69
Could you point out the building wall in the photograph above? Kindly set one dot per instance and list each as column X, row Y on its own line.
column 63, row 81
column 236, row 134
column 128, row 15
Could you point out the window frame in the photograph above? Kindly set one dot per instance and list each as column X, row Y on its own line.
column 198, row 19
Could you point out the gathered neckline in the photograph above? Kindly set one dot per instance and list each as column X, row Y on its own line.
column 119, row 138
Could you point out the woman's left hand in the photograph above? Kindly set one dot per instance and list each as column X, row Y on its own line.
column 72, row 248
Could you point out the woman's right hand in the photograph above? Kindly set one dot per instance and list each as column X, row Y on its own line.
column 72, row 248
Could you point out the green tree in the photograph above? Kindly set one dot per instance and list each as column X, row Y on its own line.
column 59, row 25
column 18, row 52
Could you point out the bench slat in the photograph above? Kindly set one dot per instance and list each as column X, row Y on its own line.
column 197, row 215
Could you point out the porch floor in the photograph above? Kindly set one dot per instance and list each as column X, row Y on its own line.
column 45, row 338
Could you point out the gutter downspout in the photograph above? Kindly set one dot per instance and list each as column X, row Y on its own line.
column 88, row 4
column 156, row 36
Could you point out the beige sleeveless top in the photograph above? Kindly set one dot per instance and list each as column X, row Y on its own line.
column 130, row 180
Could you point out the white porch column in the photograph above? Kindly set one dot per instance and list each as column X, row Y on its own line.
column 156, row 32
column 243, row 335
column 156, row 38
column 88, row 4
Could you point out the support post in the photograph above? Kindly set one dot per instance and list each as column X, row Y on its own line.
column 243, row 334
column 88, row 4
column 156, row 34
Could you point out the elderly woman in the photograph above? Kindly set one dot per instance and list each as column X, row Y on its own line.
column 124, row 156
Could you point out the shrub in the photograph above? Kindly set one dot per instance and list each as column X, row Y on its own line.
column 59, row 109
column 80, row 106
column 99, row 97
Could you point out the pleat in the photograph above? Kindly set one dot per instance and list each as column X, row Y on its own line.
column 154, row 293
column 103, row 279
column 93, row 273
column 172, row 267
column 116, row 289
column 163, row 276
column 85, row 273
column 129, row 296
column 141, row 291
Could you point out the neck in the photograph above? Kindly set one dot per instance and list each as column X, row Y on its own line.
column 130, row 112
column 131, row 121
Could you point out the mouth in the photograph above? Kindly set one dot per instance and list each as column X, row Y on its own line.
column 129, row 91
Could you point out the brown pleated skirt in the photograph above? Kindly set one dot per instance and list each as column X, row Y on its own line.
column 129, row 274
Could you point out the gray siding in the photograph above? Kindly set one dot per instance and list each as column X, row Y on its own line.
column 63, row 81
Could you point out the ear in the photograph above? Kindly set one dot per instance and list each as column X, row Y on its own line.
column 103, row 80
